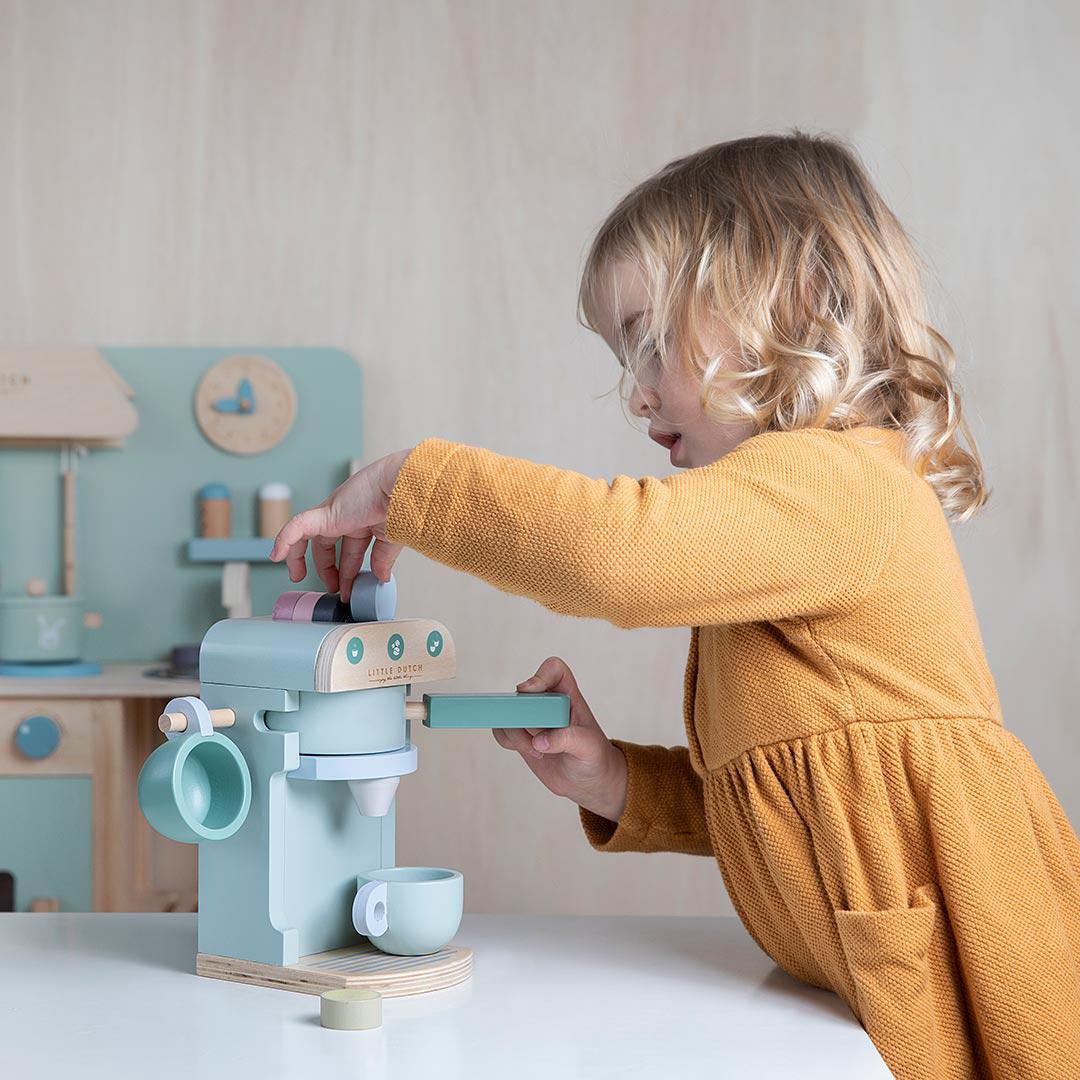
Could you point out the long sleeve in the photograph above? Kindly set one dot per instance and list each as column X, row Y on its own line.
column 665, row 805
column 787, row 524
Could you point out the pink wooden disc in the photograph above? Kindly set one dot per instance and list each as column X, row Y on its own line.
column 305, row 605
column 284, row 604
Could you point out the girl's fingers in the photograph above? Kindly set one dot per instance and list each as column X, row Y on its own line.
column 571, row 741
column 297, row 530
column 516, row 739
column 383, row 556
column 324, row 556
column 553, row 676
column 295, row 562
column 503, row 738
column 352, row 558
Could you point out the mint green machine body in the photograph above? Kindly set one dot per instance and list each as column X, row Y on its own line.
column 301, row 733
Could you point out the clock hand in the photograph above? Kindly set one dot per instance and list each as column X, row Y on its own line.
column 245, row 396
column 226, row 404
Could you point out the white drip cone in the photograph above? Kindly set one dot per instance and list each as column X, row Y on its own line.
column 373, row 797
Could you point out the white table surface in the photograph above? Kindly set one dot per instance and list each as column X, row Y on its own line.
column 96, row 995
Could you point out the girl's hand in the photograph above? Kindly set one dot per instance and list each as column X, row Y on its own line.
column 579, row 761
column 355, row 511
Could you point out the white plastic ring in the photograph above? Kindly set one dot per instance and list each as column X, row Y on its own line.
column 369, row 914
column 198, row 716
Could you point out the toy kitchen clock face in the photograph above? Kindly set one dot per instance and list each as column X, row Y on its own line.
column 245, row 404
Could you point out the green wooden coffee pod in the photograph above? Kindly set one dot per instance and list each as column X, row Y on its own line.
column 350, row 1010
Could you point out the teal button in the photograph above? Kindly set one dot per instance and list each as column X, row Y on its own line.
column 395, row 647
column 355, row 650
column 434, row 643
column 37, row 737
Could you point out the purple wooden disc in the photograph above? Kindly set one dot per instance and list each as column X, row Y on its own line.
column 284, row 604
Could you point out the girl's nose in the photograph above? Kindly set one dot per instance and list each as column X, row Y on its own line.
column 643, row 400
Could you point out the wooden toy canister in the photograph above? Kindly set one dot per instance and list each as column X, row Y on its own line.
column 273, row 508
column 214, row 511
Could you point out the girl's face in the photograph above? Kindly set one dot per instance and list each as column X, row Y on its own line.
column 670, row 399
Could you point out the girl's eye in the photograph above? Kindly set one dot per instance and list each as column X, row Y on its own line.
column 646, row 354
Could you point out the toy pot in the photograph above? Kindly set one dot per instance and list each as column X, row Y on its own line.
column 35, row 629
column 195, row 787
column 408, row 910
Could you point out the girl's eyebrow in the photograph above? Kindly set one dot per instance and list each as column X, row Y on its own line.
column 624, row 330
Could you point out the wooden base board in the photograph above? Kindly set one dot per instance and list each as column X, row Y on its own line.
column 354, row 967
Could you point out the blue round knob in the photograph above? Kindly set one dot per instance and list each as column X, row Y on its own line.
column 37, row 737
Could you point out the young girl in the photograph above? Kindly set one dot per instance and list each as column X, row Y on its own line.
column 879, row 831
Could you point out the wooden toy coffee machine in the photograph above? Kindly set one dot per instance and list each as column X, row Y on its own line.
column 284, row 772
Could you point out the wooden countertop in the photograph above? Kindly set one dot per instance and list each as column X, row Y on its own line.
column 128, row 680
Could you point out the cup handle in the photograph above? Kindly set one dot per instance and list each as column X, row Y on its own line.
column 369, row 910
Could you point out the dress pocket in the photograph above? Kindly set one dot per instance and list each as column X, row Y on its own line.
column 889, row 954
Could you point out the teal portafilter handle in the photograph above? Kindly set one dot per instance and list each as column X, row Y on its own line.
column 196, row 786
column 496, row 710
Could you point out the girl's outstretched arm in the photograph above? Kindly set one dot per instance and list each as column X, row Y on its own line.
column 787, row 524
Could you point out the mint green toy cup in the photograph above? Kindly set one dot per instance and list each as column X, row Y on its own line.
column 195, row 788
column 408, row 910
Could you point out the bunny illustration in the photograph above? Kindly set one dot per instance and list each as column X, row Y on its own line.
column 49, row 631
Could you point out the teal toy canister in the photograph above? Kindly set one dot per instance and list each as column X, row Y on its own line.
column 196, row 787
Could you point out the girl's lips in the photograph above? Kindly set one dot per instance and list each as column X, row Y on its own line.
column 666, row 439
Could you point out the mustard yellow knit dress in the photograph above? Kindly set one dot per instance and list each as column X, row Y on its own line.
column 879, row 832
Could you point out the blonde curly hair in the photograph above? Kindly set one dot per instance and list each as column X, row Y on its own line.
column 785, row 238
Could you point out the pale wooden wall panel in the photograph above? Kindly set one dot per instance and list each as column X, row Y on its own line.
column 416, row 182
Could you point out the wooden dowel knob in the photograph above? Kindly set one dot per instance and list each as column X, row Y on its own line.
column 174, row 721
column 222, row 717
column 415, row 710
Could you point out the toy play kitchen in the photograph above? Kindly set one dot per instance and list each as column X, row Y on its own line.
column 284, row 771
column 171, row 526
column 68, row 398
